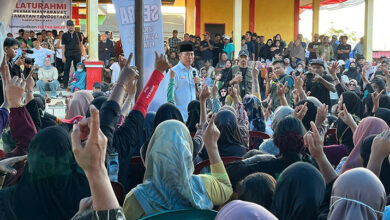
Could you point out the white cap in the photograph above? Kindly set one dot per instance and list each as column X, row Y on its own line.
column 226, row 37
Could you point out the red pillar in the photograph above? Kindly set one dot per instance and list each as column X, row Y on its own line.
column 197, row 15
column 296, row 18
column 252, row 16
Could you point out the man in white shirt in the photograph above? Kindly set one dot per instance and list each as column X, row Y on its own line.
column 40, row 53
column 114, row 68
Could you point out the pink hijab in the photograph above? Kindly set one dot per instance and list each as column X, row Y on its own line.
column 363, row 201
column 368, row 126
column 79, row 104
column 242, row 210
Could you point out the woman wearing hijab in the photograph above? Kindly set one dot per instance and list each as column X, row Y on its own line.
column 227, row 74
column 366, row 127
column 255, row 115
column 193, row 115
column 288, row 138
column 169, row 182
column 355, row 107
column 79, row 78
column 352, row 73
column 384, row 114
column 310, row 113
column 299, row 193
column 230, row 142
column 265, row 51
column 359, row 195
column 222, row 95
column 52, row 184
column 242, row 210
column 365, row 152
column 79, row 104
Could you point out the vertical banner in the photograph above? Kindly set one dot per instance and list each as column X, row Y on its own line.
column 153, row 39
column 40, row 14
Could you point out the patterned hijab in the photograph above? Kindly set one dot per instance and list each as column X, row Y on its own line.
column 169, row 182
column 255, row 115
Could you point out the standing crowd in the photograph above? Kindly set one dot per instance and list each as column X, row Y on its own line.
column 286, row 131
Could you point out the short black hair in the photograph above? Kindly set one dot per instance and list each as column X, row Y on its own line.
column 34, row 39
column 225, row 53
column 43, row 30
column 254, row 35
column 24, row 41
column 21, row 31
column 385, row 62
column 216, row 35
column 39, row 34
column 250, row 33
column 281, row 61
column 9, row 42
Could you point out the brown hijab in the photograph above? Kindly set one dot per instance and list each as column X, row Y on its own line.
column 79, row 104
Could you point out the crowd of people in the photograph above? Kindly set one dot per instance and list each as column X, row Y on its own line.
column 325, row 109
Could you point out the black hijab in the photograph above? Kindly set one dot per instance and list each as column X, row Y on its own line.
column 227, row 75
column 52, row 184
column 193, row 115
column 265, row 51
column 46, row 118
column 230, row 142
column 98, row 103
column 147, row 131
column 383, row 113
column 166, row 112
column 222, row 99
column 299, row 193
column 352, row 73
column 365, row 152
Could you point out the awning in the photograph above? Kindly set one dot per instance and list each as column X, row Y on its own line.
column 323, row 3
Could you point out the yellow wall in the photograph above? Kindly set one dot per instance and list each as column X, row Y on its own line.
column 275, row 17
column 190, row 17
column 271, row 16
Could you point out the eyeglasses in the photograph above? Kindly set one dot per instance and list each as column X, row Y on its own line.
column 352, row 84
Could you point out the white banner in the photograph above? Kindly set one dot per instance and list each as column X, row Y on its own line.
column 153, row 39
column 40, row 14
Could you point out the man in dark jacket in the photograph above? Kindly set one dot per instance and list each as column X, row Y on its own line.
column 106, row 49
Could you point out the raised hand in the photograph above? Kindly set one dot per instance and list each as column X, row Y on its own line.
column 300, row 111
column 314, row 142
column 7, row 164
column 204, row 93
column 346, row 117
column 211, row 135
column 255, row 71
column 15, row 91
column 127, row 72
column 281, row 89
column 30, row 83
column 334, row 69
column 214, row 90
column 268, row 111
column 6, row 76
column 91, row 154
column 381, row 144
column 298, row 81
column 123, row 61
column 233, row 92
column 375, row 100
column 161, row 63
column 322, row 113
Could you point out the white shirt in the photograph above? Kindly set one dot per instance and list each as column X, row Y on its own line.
column 58, row 51
column 40, row 55
column 115, row 70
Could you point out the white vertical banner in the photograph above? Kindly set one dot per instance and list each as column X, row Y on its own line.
column 40, row 14
column 153, row 39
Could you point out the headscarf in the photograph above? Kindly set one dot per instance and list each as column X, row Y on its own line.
column 52, row 184
column 166, row 112
column 169, row 182
column 230, row 142
column 242, row 210
column 352, row 73
column 365, row 152
column 46, row 118
column 299, row 193
column 357, row 194
column 280, row 113
column 79, row 104
column 353, row 103
column 227, row 75
column 193, row 115
column 147, row 131
column 223, row 98
column 310, row 114
column 98, row 103
column 383, row 113
column 255, row 115
column 368, row 126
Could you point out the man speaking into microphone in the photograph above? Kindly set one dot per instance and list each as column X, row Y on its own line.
column 185, row 79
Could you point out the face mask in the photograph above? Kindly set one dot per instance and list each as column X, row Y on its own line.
column 299, row 70
column 80, row 70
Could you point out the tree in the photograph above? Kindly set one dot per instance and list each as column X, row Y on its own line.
column 352, row 38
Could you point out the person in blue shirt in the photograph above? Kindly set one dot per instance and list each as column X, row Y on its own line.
column 79, row 78
column 185, row 79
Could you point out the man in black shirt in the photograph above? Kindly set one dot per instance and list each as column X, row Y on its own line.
column 343, row 49
column 313, row 47
column 70, row 50
column 218, row 47
column 250, row 45
column 319, row 83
